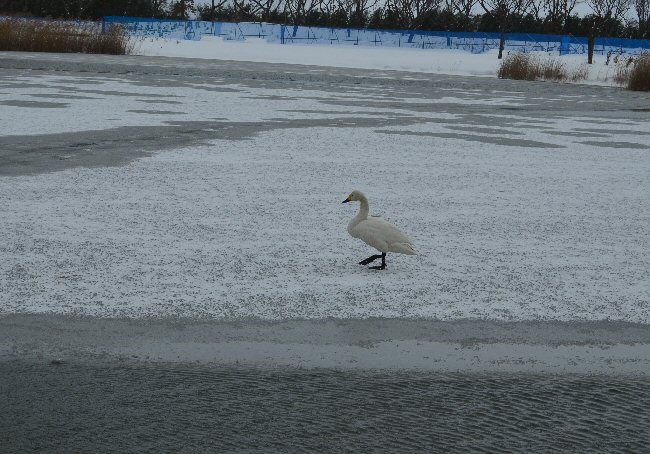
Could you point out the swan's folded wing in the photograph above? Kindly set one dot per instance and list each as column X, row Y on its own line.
column 384, row 236
column 404, row 248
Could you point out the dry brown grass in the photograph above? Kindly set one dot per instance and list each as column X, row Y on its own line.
column 633, row 72
column 522, row 66
column 640, row 74
column 552, row 69
column 518, row 66
column 48, row 36
column 624, row 65
column 580, row 73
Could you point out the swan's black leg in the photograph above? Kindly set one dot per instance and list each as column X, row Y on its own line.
column 372, row 258
column 383, row 263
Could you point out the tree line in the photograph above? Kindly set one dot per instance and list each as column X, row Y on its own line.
column 617, row 18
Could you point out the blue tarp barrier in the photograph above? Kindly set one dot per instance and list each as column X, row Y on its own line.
column 476, row 42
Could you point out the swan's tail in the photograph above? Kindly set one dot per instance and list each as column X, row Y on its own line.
column 404, row 248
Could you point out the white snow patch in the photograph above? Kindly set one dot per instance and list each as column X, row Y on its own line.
column 431, row 61
column 256, row 229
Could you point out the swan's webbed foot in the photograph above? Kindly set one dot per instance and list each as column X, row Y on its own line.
column 383, row 262
column 370, row 259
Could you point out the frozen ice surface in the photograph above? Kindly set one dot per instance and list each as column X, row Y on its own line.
column 104, row 103
column 201, row 201
column 521, row 208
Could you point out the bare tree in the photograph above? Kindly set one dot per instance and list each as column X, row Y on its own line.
column 217, row 5
column 536, row 8
column 462, row 7
column 211, row 12
column 158, row 7
column 642, row 8
column 461, row 11
column 502, row 10
column 399, row 13
column 361, row 10
column 605, row 13
column 420, row 7
column 181, row 9
column 409, row 11
column 328, row 7
column 263, row 8
column 609, row 9
column 242, row 10
column 559, row 12
column 298, row 10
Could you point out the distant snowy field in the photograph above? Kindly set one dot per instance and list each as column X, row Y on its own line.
column 432, row 61
column 518, row 215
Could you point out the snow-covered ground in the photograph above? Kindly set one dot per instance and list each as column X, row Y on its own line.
column 525, row 204
column 433, row 61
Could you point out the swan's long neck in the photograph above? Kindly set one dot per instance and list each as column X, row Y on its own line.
column 364, row 208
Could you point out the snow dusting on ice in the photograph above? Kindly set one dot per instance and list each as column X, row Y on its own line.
column 520, row 209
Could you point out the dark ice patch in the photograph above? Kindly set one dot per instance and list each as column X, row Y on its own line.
column 124, row 93
column 577, row 134
column 505, row 141
column 618, row 131
column 634, row 145
column 60, row 96
column 159, row 101
column 491, row 131
column 34, row 104
column 155, row 112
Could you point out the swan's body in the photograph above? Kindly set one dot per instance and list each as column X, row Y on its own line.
column 376, row 232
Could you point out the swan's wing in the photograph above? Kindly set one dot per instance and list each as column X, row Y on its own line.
column 384, row 236
column 403, row 248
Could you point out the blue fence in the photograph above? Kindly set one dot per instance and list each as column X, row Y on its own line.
column 284, row 34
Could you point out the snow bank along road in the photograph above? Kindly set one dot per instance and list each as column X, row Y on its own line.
column 158, row 213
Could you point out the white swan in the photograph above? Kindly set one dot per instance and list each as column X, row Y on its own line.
column 376, row 232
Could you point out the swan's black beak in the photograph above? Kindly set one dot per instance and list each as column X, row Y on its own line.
column 349, row 199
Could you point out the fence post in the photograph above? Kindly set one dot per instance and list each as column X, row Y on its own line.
column 564, row 45
column 282, row 27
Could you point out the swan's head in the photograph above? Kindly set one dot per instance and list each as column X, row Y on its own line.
column 355, row 196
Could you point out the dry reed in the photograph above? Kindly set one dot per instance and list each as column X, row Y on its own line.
column 639, row 79
column 522, row 66
column 518, row 66
column 51, row 36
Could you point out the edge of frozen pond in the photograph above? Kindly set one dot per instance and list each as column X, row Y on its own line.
column 602, row 347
